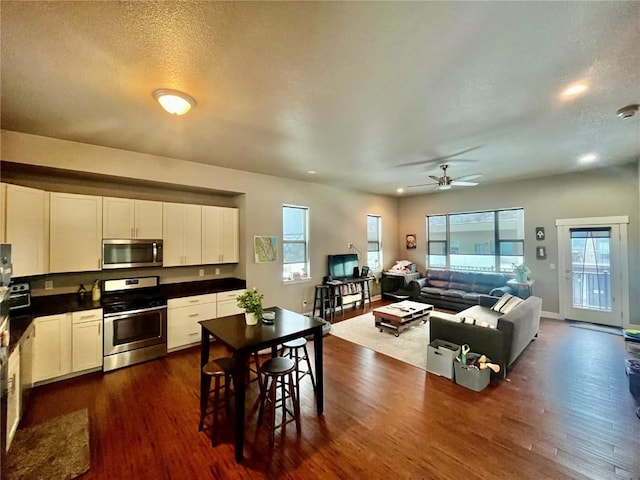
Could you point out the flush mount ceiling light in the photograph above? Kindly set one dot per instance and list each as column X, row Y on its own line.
column 588, row 158
column 173, row 101
column 628, row 111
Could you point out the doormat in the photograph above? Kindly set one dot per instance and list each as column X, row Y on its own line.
column 54, row 450
column 596, row 327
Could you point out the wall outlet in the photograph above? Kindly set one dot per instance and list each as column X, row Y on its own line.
column 217, row 271
column 201, row 272
column 349, row 245
column 552, row 266
column 48, row 284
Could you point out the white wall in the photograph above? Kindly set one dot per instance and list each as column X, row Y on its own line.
column 337, row 217
column 594, row 193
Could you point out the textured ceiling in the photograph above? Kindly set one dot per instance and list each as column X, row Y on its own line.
column 351, row 90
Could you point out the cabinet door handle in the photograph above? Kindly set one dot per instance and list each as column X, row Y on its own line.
column 85, row 317
column 99, row 329
column 132, row 233
column 194, row 301
column 194, row 315
column 193, row 334
column 12, row 384
column 137, row 232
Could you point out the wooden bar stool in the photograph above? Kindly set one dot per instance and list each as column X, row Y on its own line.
column 254, row 367
column 220, row 368
column 322, row 301
column 278, row 372
column 292, row 351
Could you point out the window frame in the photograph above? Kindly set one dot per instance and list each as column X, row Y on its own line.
column 378, row 241
column 305, row 242
column 495, row 250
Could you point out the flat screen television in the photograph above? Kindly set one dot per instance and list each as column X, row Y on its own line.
column 341, row 266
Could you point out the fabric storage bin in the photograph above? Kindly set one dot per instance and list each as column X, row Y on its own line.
column 440, row 355
column 633, row 370
column 470, row 376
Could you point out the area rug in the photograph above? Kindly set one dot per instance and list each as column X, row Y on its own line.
column 409, row 347
column 54, row 450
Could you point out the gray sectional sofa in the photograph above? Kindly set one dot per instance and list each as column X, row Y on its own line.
column 454, row 290
column 505, row 337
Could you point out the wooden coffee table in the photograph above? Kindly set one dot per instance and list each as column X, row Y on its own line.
column 397, row 317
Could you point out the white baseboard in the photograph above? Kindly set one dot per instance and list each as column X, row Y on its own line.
column 552, row 315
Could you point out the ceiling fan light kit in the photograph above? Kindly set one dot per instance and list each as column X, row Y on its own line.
column 445, row 182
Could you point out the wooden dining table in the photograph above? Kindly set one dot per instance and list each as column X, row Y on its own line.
column 243, row 340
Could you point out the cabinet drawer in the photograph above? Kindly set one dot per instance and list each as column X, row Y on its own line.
column 182, row 323
column 193, row 313
column 228, row 307
column 194, row 300
column 86, row 316
column 230, row 295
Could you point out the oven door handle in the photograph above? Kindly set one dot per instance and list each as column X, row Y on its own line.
column 133, row 312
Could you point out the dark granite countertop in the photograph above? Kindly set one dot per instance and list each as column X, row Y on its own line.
column 20, row 320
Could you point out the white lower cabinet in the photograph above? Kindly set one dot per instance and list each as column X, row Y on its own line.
column 13, row 395
column 87, row 339
column 228, row 303
column 67, row 343
column 52, row 347
column 183, row 315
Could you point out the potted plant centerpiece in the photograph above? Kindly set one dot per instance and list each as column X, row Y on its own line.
column 251, row 301
column 522, row 272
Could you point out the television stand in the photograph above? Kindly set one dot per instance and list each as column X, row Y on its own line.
column 349, row 290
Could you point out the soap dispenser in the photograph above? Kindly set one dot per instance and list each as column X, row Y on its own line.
column 95, row 291
column 81, row 293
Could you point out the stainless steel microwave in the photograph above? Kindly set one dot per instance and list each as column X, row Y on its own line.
column 128, row 253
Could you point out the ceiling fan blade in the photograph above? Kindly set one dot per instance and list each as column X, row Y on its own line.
column 422, row 185
column 464, row 178
column 457, row 183
column 437, row 179
column 440, row 159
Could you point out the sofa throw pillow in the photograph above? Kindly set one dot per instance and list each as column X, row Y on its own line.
column 481, row 323
column 506, row 303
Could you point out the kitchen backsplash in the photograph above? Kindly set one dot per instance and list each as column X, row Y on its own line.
column 70, row 282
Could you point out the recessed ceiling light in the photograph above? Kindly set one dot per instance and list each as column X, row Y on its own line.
column 400, row 190
column 575, row 89
column 173, row 101
column 588, row 158
column 312, row 172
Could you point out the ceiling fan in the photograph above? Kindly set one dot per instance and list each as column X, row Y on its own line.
column 445, row 182
column 442, row 158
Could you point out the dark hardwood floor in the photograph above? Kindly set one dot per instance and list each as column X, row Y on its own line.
column 565, row 412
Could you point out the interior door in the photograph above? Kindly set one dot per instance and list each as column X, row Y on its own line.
column 593, row 273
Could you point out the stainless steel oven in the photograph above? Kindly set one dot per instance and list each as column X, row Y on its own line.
column 135, row 321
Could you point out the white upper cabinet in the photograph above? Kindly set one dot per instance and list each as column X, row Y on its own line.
column 182, row 234
column 219, row 235
column 75, row 233
column 128, row 218
column 26, row 228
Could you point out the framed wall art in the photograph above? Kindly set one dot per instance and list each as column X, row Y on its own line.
column 266, row 249
column 411, row 241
